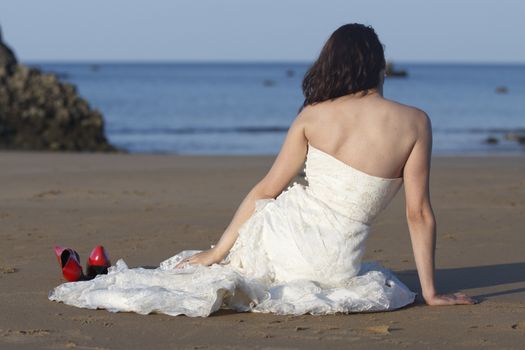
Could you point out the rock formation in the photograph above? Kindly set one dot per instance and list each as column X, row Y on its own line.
column 392, row 71
column 7, row 58
column 39, row 112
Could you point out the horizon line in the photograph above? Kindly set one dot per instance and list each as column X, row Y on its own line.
column 249, row 61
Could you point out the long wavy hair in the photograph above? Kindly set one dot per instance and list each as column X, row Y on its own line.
column 350, row 62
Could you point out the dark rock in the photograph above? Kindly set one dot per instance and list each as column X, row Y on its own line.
column 518, row 136
column 491, row 140
column 7, row 58
column 391, row 71
column 39, row 112
column 502, row 90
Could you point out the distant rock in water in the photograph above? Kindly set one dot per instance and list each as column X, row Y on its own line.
column 391, row 71
column 268, row 82
column 502, row 89
column 38, row 112
column 518, row 136
column 491, row 140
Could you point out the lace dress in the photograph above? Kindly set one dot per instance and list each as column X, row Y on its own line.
column 298, row 253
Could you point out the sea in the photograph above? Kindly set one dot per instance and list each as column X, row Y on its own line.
column 246, row 108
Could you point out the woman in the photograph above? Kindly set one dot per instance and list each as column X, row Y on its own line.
column 299, row 250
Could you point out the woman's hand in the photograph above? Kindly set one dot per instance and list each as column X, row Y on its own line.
column 450, row 299
column 206, row 258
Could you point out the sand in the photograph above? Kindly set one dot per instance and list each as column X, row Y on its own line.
column 146, row 208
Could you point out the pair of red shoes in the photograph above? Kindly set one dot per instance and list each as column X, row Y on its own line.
column 98, row 263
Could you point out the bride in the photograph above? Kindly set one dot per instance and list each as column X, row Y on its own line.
column 297, row 249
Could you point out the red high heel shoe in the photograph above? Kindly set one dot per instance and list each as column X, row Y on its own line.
column 98, row 262
column 69, row 261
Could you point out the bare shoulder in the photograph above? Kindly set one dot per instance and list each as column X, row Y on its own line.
column 409, row 111
column 310, row 111
column 413, row 115
column 310, row 114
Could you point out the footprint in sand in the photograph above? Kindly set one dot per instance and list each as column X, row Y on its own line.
column 71, row 345
column 50, row 193
column 20, row 335
column 449, row 236
column 135, row 193
column 5, row 270
column 84, row 320
column 265, row 335
column 335, row 333
column 97, row 193
column 379, row 329
column 519, row 326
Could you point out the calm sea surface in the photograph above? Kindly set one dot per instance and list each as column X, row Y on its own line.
column 236, row 108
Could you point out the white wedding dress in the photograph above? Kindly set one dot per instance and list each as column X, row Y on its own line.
column 298, row 253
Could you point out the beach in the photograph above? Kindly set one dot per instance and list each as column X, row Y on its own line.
column 146, row 208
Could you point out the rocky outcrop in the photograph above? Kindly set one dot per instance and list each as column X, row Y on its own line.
column 392, row 71
column 7, row 58
column 39, row 112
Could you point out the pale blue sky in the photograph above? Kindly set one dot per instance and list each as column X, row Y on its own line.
column 270, row 30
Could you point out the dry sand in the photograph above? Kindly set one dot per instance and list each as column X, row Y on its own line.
column 147, row 208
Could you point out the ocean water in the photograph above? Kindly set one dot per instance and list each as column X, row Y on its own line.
column 246, row 108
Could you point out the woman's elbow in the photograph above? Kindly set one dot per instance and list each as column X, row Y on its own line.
column 420, row 215
column 265, row 190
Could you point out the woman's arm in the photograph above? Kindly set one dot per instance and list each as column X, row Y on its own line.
column 285, row 167
column 420, row 216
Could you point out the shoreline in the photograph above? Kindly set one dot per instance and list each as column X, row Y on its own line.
column 474, row 154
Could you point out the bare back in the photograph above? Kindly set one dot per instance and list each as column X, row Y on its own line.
column 370, row 133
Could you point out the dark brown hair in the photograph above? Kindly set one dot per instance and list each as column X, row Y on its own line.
column 349, row 62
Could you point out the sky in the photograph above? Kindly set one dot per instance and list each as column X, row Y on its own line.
column 467, row 31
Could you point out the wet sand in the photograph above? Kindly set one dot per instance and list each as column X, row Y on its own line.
column 146, row 208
